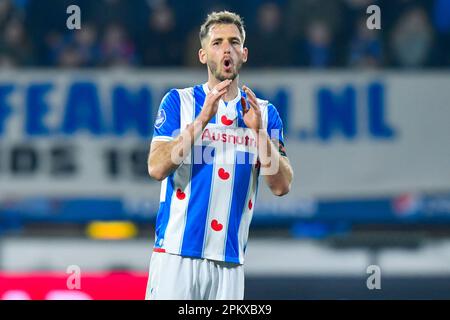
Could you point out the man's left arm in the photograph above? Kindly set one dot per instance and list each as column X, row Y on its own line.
column 275, row 165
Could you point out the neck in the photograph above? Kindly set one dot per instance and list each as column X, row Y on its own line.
column 233, row 88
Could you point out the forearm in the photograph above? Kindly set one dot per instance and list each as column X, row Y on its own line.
column 280, row 182
column 275, row 168
column 166, row 158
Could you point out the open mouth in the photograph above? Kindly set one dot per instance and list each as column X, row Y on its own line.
column 227, row 63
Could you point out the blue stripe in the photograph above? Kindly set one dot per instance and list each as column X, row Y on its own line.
column 171, row 106
column 199, row 97
column 240, row 122
column 254, row 200
column 162, row 218
column 197, row 211
column 242, row 176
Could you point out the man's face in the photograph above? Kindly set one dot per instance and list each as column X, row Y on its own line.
column 223, row 51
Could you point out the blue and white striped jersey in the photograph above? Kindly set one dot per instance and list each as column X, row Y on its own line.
column 207, row 203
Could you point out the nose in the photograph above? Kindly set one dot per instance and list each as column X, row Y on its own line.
column 226, row 47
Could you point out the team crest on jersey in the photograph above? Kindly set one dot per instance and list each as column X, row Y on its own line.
column 160, row 118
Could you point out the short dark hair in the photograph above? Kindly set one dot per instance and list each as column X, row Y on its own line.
column 222, row 17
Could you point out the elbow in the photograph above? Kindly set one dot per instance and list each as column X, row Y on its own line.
column 281, row 191
column 156, row 173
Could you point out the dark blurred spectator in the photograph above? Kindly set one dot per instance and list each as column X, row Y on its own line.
column 86, row 43
column 70, row 57
column 192, row 45
column 365, row 47
column 310, row 33
column 302, row 17
column 78, row 48
column 353, row 10
column 15, row 44
column 316, row 50
column 268, row 44
column 412, row 39
column 130, row 14
column 441, row 23
column 393, row 10
column 54, row 43
column 11, row 9
column 184, row 9
column 162, row 43
column 300, row 14
column 7, row 12
column 44, row 19
column 116, row 47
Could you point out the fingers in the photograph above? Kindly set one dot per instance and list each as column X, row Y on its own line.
column 223, row 84
column 220, row 89
column 250, row 94
column 212, row 99
column 222, row 92
column 251, row 98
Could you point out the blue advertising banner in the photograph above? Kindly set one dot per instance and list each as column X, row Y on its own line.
column 77, row 142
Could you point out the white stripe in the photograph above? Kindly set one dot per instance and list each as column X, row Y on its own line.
column 219, row 206
column 251, row 194
column 178, row 209
column 186, row 107
column 221, row 193
column 247, row 215
column 162, row 196
column 162, row 138
column 263, row 104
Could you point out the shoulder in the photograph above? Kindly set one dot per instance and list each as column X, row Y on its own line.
column 267, row 108
column 179, row 93
column 188, row 90
column 263, row 104
column 173, row 97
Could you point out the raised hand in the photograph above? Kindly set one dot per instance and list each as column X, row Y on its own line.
column 211, row 104
column 252, row 113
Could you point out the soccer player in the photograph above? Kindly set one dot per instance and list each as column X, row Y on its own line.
column 210, row 144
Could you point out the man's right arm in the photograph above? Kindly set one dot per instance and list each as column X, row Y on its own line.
column 165, row 156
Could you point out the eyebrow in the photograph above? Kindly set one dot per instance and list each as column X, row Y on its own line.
column 230, row 38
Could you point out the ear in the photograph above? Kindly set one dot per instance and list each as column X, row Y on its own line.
column 202, row 56
column 244, row 54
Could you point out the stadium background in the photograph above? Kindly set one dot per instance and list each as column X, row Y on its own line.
column 366, row 116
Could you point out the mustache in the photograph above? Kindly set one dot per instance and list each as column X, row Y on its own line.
column 214, row 68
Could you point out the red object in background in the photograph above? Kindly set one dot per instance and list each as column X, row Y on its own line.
column 56, row 286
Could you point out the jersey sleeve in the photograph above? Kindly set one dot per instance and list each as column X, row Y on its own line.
column 274, row 124
column 167, row 120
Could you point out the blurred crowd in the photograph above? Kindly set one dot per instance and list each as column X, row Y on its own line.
column 280, row 33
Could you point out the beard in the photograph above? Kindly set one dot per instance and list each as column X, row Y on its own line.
column 217, row 71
